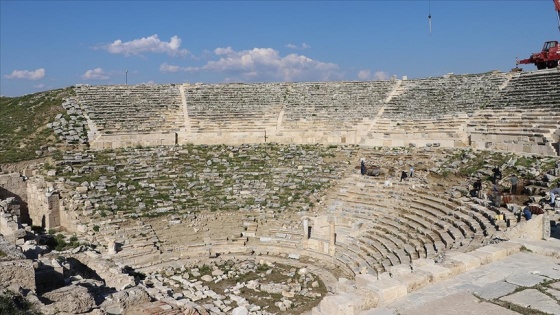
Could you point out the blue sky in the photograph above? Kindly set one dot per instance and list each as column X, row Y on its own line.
column 52, row 44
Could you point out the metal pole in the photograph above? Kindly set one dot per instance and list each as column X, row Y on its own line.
column 126, row 77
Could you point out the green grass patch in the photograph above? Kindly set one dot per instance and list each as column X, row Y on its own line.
column 23, row 123
column 15, row 304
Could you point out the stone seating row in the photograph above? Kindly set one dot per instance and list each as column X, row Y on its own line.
column 313, row 103
column 382, row 249
column 485, row 217
column 436, row 223
column 137, row 108
column 453, row 213
column 433, row 97
column 299, row 101
column 395, row 249
column 531, row 90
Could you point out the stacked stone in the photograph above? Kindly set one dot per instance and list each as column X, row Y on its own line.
column 433, row 97
column 340, row 103
column 164, row 180
column 380, row 225
column 71, row 127
column 530, row 91
column 132, row 108
column 218, row 291
column 135, row 246
column 10, row 225
column 325, row 105
column 517, row 130
column 10, row 205
column 233, row 106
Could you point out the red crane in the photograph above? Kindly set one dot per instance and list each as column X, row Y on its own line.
column 549, row 57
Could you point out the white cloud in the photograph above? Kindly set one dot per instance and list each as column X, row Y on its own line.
column 367, row 75
column 39, row 86
column 266, row 64
column 381, row 75
column 302, row 46
column 364, row 74
column 26, row 74
column 150, row 44
column 95, row 74
column 169, row 68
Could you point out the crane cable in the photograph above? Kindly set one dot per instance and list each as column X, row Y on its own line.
column 557, row 7
column 430, row 16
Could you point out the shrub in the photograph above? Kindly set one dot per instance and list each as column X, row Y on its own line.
column 15, row 304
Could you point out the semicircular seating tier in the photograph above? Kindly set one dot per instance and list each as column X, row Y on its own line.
column 497, row 111
column 378, row 227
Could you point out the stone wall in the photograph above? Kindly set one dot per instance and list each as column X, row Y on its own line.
column 113, row 141
column 449, row 111
column 44, row 203
column 10, row 219
column 533, row 229
column 13, row 185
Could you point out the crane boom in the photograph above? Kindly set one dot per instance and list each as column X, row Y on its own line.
column 557, row 6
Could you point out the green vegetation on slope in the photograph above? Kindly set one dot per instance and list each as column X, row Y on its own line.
column 14, row 304
column 196, row 178
column 23, row 123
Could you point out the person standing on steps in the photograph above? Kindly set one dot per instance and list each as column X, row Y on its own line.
column 411, row 171
column 363, row 166
column 403, row 175
column 554, row 193
column 513, row 180
column 497, row 173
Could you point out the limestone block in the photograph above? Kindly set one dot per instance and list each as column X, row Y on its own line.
column 422, row 262
column 365, row 280
column 399, row 270
column 469, row 261
column 415, row 280
column 510, row 247
column 125, row 299
column 344, row 286
column 496, row 252
column 337, row 304
column 71, row 299
column 387, row 289
column 455, row 267
column 436, row 272
column 17, row 273
column 485, row 257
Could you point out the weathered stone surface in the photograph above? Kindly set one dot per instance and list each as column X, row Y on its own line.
column 70, row 299
column 525, row 280
column 123, row 300
column 17, row 273
column 535, row 299
column 463, row 303
column 495, row 290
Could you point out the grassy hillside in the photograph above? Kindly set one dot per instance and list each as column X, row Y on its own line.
column 23, row 121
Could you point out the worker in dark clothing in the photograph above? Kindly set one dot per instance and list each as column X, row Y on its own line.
column 553, row 194
column 513, row 180
column 497, row 173
column 477, row 187
column 404, row 175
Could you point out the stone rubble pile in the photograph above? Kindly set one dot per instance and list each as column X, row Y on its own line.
column 72, row 128
column 161, row 180
column 218, row 287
